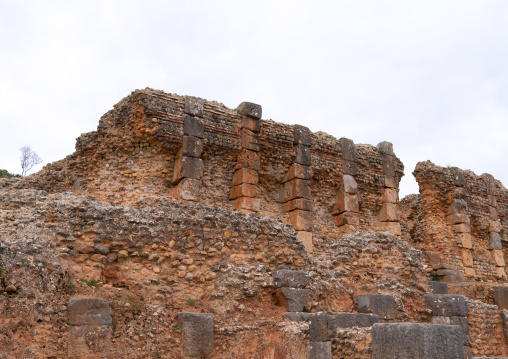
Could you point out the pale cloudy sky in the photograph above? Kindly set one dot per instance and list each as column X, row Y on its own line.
column 429, row 76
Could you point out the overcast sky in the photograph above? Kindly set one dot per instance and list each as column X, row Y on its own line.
column 429, row 76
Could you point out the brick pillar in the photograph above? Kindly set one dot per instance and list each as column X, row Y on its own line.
column 295, row 193
column 346, row 210
column 244, row 192
column 389, row 215
column 494, row 227
column 188, row 169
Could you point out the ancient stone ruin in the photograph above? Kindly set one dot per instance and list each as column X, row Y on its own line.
column 184, row 229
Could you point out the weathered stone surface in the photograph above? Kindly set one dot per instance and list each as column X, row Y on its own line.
column 250, row 109
column 501, row 297
column 318, row 327
column 495, row 226
column 346, row 202
column 467, row 257
column 194, row 106
column 465, row 240
column 350, row 168
column 297, row 316
column 390, row 182
column 349, row 184
column 439, row 287
column 390, row 195
column 458, row 218
column 383, row 305
column 306, row 238
column 188, row 189
column 250, row 140
column 349, row 320
column 191, row 147
column 248, row 159
column 385, row 148
column 389, row 212
column 300, row 220
column 458, row 176
column 458, row 206
column 413, row 340
column 243, row 190
column 351, row 218
column 301, row 135
column 290, row 278
column 296, row 188
column 319, row 350
column 299, row 203
column 295, row 298
column 348, row 149
column 504, row 322
column 193, row 126
column 303, row 155
column 450, row 276
column 495, row 241
column 447, row 305
column 88, row 311
column 461, row 228
column 89, row 341
column 392, row 227
column 187, row 167
column 245, row 175
column 247, row 203
column 498, row 257
column 388, row 166
column 197, row 335
column 251, row 124
column 297, row 170
column 464, row 324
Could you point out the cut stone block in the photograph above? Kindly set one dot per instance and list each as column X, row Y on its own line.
column 297, row 316
column 446, row 305
column 299, row 203
column 296, row 188
column 388, row 166
column 245, row 175
column 349, row 168
column 302, row 155
column 390, row 182
column 390, row 195
column 346, row 203
column 197, row 334
column 187, row 167
column 450, row 276
column 383, row 305
column 414, row 340
column 469, row 273
column 458, row 218
column 490, row 183
column 297, row 170
column 385, row 148
column 251, row 124
column 495, row 226
column 250, row 109
column 193, row 126
column 247, row 203
column 306, row 238
column 301, row 220
column 88, row 311
column 89, row 341
column 501, row 297
column 493, row 213
column 492, row 200
column 350, row 320
column 458, row 176
column 191, row 147
column 504, row 322
column 318, row 327
column 458, row 206
column 461, row 228
column 467, row 257
column 250, row 140
column 243, row 190
column 348, row 149
column 319, row 350
column 389, row 212
column 498, row 257
column 248, row 159
column 500, row 273
column 345, row 218
column 301, row 135
column 495, row 241
column 392, row 227
column 439, row 287
column 188, row 189
column 465, row 240
column 194, row 106
column 349, row 184
column 295, row 298
column 290, row 278
column 464, row 324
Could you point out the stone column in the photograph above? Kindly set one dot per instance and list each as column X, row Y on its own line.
column 494, row 227
column 295, row 193
column 390, row 212
column 346, row 209
column 188, row 169
column 244, row 192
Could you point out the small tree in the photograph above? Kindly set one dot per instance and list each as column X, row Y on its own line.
column 28, row 159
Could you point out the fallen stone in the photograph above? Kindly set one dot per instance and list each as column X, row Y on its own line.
column 447, row 305
column 290, row 278
column 88, row 311
column 450, row 276
column 383, row 305
column 197, row 334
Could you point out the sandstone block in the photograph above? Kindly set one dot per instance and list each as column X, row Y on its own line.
column 383, row 305
column 296, row 188
column 318, row 327
column 498, row 257
column 492, row 200
column 495, row 226
column 250, row 109
column 89, row 341
column 390, row 182
column 349, row 168
column 392, row 227
column 389, row 212
column 194, row 106
column 319, row 350
column 495, row 241
column 301, row 220
column 349, row 184
column 461, row 228
column 446, row 305
column 250, row 140
column 251, row 124
column 458, row 206
column 302, row 155
column 414, row 340
column 191, row 147
column 302, row 135
column 449, row 276
column 469, row 272
column 299, row 203
column 247, row 204
column 295, row 298
column 306, row 238
column 243, row 190
column 346, row 202
column 458, row 219
column 299, row 171
column 197, row 334
column 388, row 166
column 290, row 278
column 351, row 218
column 187, row 167
column 245, row 175
column 493, row 213
column 390, row 195
column 248, row 159
column 465, row 239
column 348, row 149
column 193, row 126
column 500, row 273
column 467, row 257
column 188, row 189
column 385, row 148
column 88, row 311
column 439, row 287
column 501, row 297
column 349, row 320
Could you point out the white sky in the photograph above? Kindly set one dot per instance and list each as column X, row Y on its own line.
column 429, row 76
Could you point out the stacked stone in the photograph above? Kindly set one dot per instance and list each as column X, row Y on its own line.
column 197, row 335
column 494, row 227
column 382, row 305
column 188, row 169
column 90, row 333
column 244, row 192
column 390, row 212
column 451, row 309
column 346, row 210
column 291, row 288
column 295, row 190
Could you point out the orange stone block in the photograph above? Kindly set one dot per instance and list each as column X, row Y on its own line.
column 250, row 140
column 299, row 203
column 248, row 159
column 306, row 238
column 297, row 170
column 390, row 195
column 465, row 240
column 469, row 272
column 461, row 228
column 500, row 273
column 392, row 227
column 350, row 218
column 458, row 218
column 467, row 257
column 301, row 220
column 188, row 189
column 389, row 212
column 296, row 188
column 245, row 175
column 494, row 226
column 243, row 190
column 346, row 203
column 497, row 255
column 250, row 123
column 247, row 203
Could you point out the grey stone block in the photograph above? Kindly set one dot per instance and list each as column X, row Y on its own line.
column 458, row 206
column 318, row 327
column 194, row 106
column 297, row 316
column 252, row 124
column 303, row 155
column 296, row 298
column 192, row 146
column 197, row 334
column 417, row 341
column 350, row 320
column 382, row 305
column 504, row 322
column 88, row 311
column 319, row 350
column 495, row 241
column 250, row 109
column 447, row 305
column 349, row 168
column 458, row 177
column 490, row 183
column 463, row 322
column 439, row 287
column 385, row 148
column 501, row 297
column 301, row 135
column 290, row 278
column 187, row 167
column 193, row 127
column 89, row 341
column 348, row 149
column 450, row 276
column 349, row 184
column 388, row 166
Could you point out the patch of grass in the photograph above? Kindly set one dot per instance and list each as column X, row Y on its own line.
column 176, row 326
column 191, row 302
column 1, row 271
column 434, row 278
column 90, row 283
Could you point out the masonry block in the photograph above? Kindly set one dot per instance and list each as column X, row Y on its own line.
column 390, row 182
column 492, row 200
column 490, row 183
column 194, row 106
column 458, row 218
column 388, row 166
column 302, row 135
column 390, row 195
column 306, row 238
column 465, row 240
column 458, row 177
column 495, row 241
column 250, row 140
column 301, row 220
column 349, row 184
column 191, row 147
column 245, row 175
column 467, row 257
column 504, row 322
column 439, row 287
column 299, row 171
column 299, row 203
column 348, row 149
column 495, row 226
column 248, row 159
column 296, row 188
column 350, row 320
column 193, row 126
column 297, row 316
column 498, row 257
column 500, row 273
column 446, row 305
column 295, row 298
column 389, row 212
column 464, row 324
column 414, row 340
column 385, row 148
column 250, row 109
column 188, row 189
column 187, row 167
column 247, row 203
column 351, row 218
column 458, row 206
column 450, row 276
column 469, row 273
column 349, row 168
column 501, row 297
column 493, row 213
column 383, row 305
column 88, row 311
column 290, row 278
column 251, row 124
column 319, row 350
column 302, row 155
column 89, row 341
column 318, row 327
column 392, row 227
column 197, row 335
column 346, row 202
column 461, row 228
column 243, row 190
